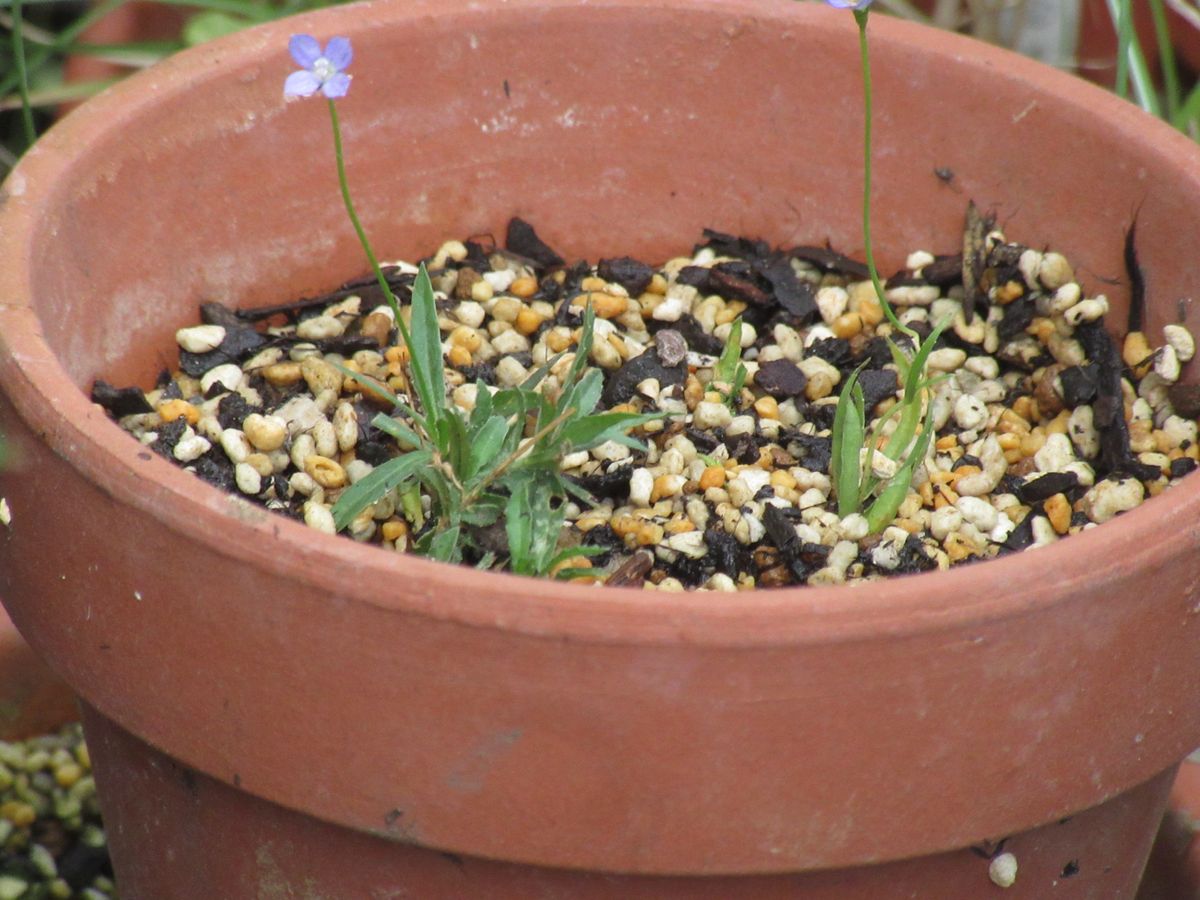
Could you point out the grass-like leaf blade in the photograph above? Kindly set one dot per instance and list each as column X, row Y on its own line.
column 375, row 484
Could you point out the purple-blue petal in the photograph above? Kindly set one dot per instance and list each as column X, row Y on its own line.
column 339, row 53
column 301, row 84
column 849, row 4
column 336, row 86
column 305, row 50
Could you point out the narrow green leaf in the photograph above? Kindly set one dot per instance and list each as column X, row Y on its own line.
column 518, row 525
column 883, row 510
column 584, row 434
column 483, row 406
column 848, row 436
column 731, row 354
column 458, row 442
column 426, row 363
column 486, row 443
column 585, row 346
column 375, row 484
column 211, row 24
column 445, row 544
column 371, row 384
column 404, row 436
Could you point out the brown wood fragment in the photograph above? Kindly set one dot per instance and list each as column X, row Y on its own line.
column 632, row 571
column 973, row 255
column 1137, row 284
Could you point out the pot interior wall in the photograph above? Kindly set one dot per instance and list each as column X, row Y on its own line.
column 613, row 134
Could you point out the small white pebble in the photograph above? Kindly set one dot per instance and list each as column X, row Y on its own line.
column 1179, row 431
column 1055, row 271
column 677, row 302
column 513, row 341
column 720, row 582
column 611, row 451
column 510, row 372
column 191, row 447
column 1029, row 263
column 1166, row 364
column 305, row 484
column 740, row 425
column 854, row 527
column 235, row 445
column 984, row 366
column 470, row 313
column 970, row 412
column 200, row 338
column 318, row 516
column 1042, row 531
column 1055, row 454
column 711, row 414
column 573, row 460
column 641, row 485
column 228, row 376
column 1108, row 498
column 946, row 360
column 1002, row 870
column 918, row 259
column 1004, row 527
column 689, row 543
column 1082, row 428
column 247, row 478
column 500, row 281
column 832, row 302
column 913, row 295
column 978, row 512
column 1090, row 310
column 320, row 328
column 1181, row 340
column 945, row 521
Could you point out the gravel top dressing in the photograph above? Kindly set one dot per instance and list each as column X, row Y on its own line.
column 1044, row 425
column 52, row 843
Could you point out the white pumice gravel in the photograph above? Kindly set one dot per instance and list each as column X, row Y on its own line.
column 1002, row 870
column 733, row 491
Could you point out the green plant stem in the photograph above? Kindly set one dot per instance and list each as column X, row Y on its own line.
column 362, row 234
column 860, row 17
column 62, row 42
column 18, row 44
column 1131, row 63
column 1166, row 58
column 1123, row 22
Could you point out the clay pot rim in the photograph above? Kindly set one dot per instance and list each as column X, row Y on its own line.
column 360, row 574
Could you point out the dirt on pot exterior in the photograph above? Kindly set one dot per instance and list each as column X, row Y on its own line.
column 1044, row 425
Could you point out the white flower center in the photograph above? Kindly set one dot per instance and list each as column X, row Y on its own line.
column 324, row 69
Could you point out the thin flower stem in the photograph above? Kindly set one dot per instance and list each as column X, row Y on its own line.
column 362, row 234
column 18, row 46
column 860, row 16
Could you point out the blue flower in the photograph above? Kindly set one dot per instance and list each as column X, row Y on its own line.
column 849, row 4
column 319, row 71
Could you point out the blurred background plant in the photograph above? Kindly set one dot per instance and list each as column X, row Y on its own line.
column 54, row 53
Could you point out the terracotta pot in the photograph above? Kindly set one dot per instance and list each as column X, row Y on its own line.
column 133, row 21
column 272, row 709
column 33, row 700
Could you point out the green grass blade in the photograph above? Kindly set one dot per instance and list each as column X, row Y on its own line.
column 375, row 484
